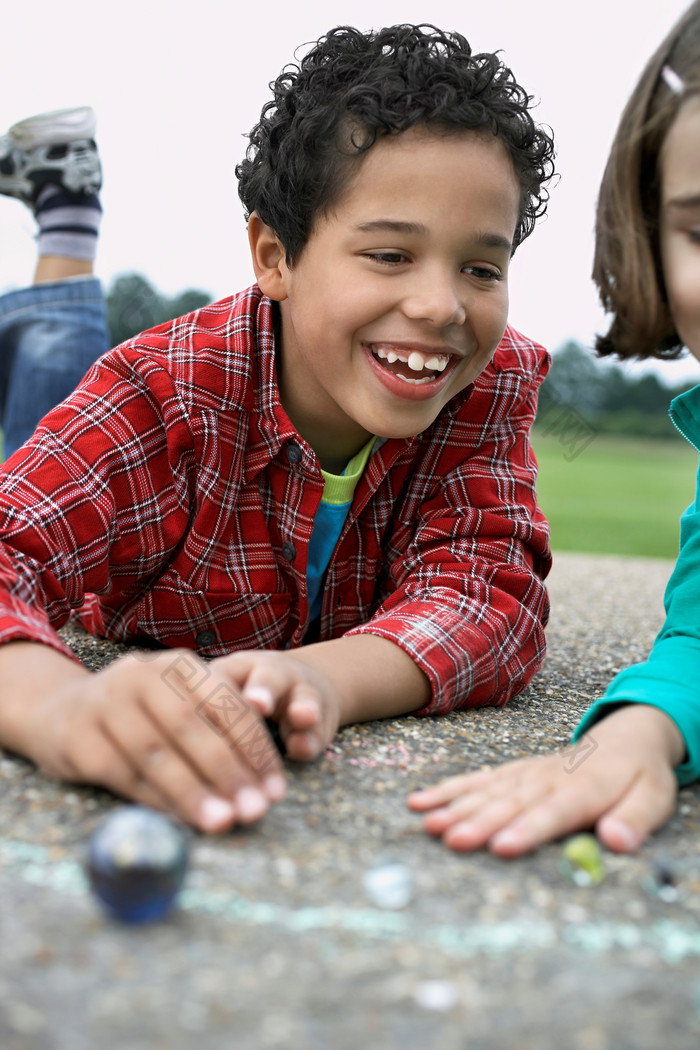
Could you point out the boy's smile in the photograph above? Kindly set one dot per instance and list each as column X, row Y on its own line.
column 400, row 295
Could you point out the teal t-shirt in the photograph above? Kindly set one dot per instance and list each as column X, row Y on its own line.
column 338, row 492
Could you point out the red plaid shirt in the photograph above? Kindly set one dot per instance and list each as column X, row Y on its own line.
column 171, row 498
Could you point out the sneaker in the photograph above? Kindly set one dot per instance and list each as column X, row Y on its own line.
column 57, row 148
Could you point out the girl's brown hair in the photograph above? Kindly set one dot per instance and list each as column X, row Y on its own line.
column 627, row 263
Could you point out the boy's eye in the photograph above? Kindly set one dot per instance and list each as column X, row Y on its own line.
column 387, row 258
column 484, row 273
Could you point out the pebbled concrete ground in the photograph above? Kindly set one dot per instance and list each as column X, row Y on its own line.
column 275, row 942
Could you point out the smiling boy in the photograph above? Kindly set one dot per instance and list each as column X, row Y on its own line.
column 324, row 483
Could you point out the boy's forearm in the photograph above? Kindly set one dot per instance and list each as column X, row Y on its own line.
column 376, row 678
column 29, row 673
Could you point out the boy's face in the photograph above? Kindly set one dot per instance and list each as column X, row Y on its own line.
column 400, row 296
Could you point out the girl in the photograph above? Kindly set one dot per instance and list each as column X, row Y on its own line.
column 646, row 738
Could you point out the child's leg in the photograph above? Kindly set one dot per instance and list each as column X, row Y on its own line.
column 622, row 783
column 51, row 334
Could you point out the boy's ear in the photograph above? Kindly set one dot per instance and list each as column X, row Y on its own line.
column 268, row 258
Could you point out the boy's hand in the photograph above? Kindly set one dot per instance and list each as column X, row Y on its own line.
column 624, row 787
column 301, row 699
column 166, row 730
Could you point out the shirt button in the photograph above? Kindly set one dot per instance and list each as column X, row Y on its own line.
column 205, row 637
column 294, row 454
column 289, row 551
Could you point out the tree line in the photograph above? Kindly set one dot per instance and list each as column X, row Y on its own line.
column 133, row 305
column 605, row 396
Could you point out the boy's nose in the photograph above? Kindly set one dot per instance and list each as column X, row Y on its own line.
column 438, row 300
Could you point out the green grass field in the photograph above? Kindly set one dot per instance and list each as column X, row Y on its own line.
column 615, row 495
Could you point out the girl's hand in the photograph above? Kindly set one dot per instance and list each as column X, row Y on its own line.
column 623, row 785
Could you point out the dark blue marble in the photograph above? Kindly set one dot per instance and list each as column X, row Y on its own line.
column 136, row 863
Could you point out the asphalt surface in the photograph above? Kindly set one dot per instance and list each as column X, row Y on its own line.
column 276, row 943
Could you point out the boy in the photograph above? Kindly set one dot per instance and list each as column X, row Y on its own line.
column 328, row 476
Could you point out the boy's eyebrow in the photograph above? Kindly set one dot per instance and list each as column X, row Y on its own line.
column 495, row 240
column 488, row 240
column 390, row 226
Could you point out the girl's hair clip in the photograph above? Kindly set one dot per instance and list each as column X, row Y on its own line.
column 672, row 80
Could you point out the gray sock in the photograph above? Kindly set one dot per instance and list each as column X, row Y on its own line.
column 69, row 223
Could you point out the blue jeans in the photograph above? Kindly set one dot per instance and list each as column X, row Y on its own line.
column 50, row 334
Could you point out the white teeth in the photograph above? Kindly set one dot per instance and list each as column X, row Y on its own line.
column 437, row 363
column 415, row 361
column 415, row 382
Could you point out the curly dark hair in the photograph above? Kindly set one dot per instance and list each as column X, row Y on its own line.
column 351, row 87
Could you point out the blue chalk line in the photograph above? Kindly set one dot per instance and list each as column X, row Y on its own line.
column 666, row 938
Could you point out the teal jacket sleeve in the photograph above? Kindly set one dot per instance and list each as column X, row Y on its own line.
column 670, row 678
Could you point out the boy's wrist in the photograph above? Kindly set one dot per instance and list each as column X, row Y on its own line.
column 373, row 676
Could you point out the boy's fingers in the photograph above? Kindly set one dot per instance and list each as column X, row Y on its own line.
column 301, row 724
column 100, row 761
column 304, row 708
column 263, row 681
column 302, row 742
column 194, row 740
column 151, row 766
column 162, row 772
column 229, row 752
column 219, row 734
column 291, row 693
column 270, row 682
column 103, row 761
column 302, row 747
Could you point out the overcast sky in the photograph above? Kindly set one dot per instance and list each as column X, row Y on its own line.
column 176, row 87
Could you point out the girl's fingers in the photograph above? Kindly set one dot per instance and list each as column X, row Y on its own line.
column 461, row 808
column 644, row 807
column 517, row 807
column 447, row 790
column 632, row 805
column 498, row 813
column 554, row 816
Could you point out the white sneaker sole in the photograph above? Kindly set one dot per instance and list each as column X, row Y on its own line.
column 53, row 128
